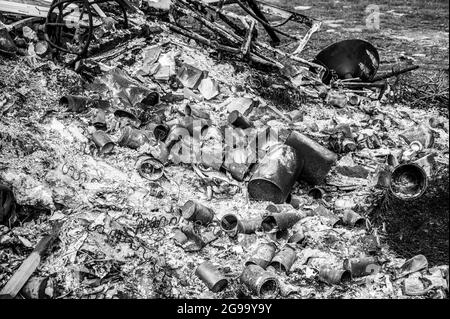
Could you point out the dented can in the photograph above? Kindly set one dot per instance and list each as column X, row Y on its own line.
column 150, row 168
column 249, row 226
column 408, row 181
column 334, row 276
column 317, row 160
column 316, row 193
column 99, row 121
column 297, row 237
column 275, row 175
column 196, row 212
column 103, row 142
column 281, row 221
column 260, row 281
column 211, row 277
column 159, row 131
column 132, row 138
column 263, row 255
column 360, row 267
column 238, row 120
column 284, row 259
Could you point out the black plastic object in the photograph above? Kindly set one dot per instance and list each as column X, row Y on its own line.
column 349, row 59
column 7, row 204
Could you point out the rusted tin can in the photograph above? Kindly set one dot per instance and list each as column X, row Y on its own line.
column 317, row 160
column 236, row 163
column 75, row 103
column 38, row 288
column 350, row 218
column 180, row 237
column 260, row 281
column 238, row 120
column 334, row 276
column 281, row 221
column 151, row 99
column 193, row 236
column 195, row 111
column 420, row 134
column 103, row 142
column 132, row 138
column 284, row 259
column 211, row 277
column 297, row 237
column 360, row 267
column 150, row 168
column 99, row 121
column 249, row 226
column 196, row 212
column 159, row 131
column 275, row 175
column 131, row 114
column 263, row 255
column 229, row 224
column 316, row 193
column 176, row 133
column 408, row 181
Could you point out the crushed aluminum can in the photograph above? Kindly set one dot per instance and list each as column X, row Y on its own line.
column 317, row 160
column 150, row 168
column 263, row 255
column 99, row 121
column 75, row 103
column 196, row 212
column 284, row 259
column 275, row 175
column 349, row 59
column 408, row 181
column 211, row 277
column 103, row 142
column 280, row 221
column 7, row 206
column 353, row 219
column 360, row 267
column 260, row 281
column 238, row 120
column 334, row 276
column 229, row 223
column 132, row 138
column 249, row 226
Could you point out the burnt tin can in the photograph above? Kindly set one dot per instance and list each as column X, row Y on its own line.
column 249, row 226
column 334, row 276
column 159, row 131
column 211, row 277
column 74, row 103
column 259, row 281
column 103, row 142
column 317, row 160
column 284, row 259
column 196, row 212
column 99, row 121
column 132, row 138
column 350, row 218
column 364, row 266
column 275, row 175
column 229, row 223
column 280, row 221
column 263, row 255
column 408, row 181
column 238, row 120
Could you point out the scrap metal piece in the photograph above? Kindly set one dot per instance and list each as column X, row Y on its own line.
column 275, row 175
column 132, row 138
column 260, row 281
column 408, row 181
column 209, row 88
column 74, row 103
column 353, row 219
column 196, row 212
column 263, row 255
column 317, row 160
column 360, row 267
column 7, row 206
column 211, row 277
column 190, row 76
column 349, row 59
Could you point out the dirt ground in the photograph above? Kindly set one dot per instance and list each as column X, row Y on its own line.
column 39, row 138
